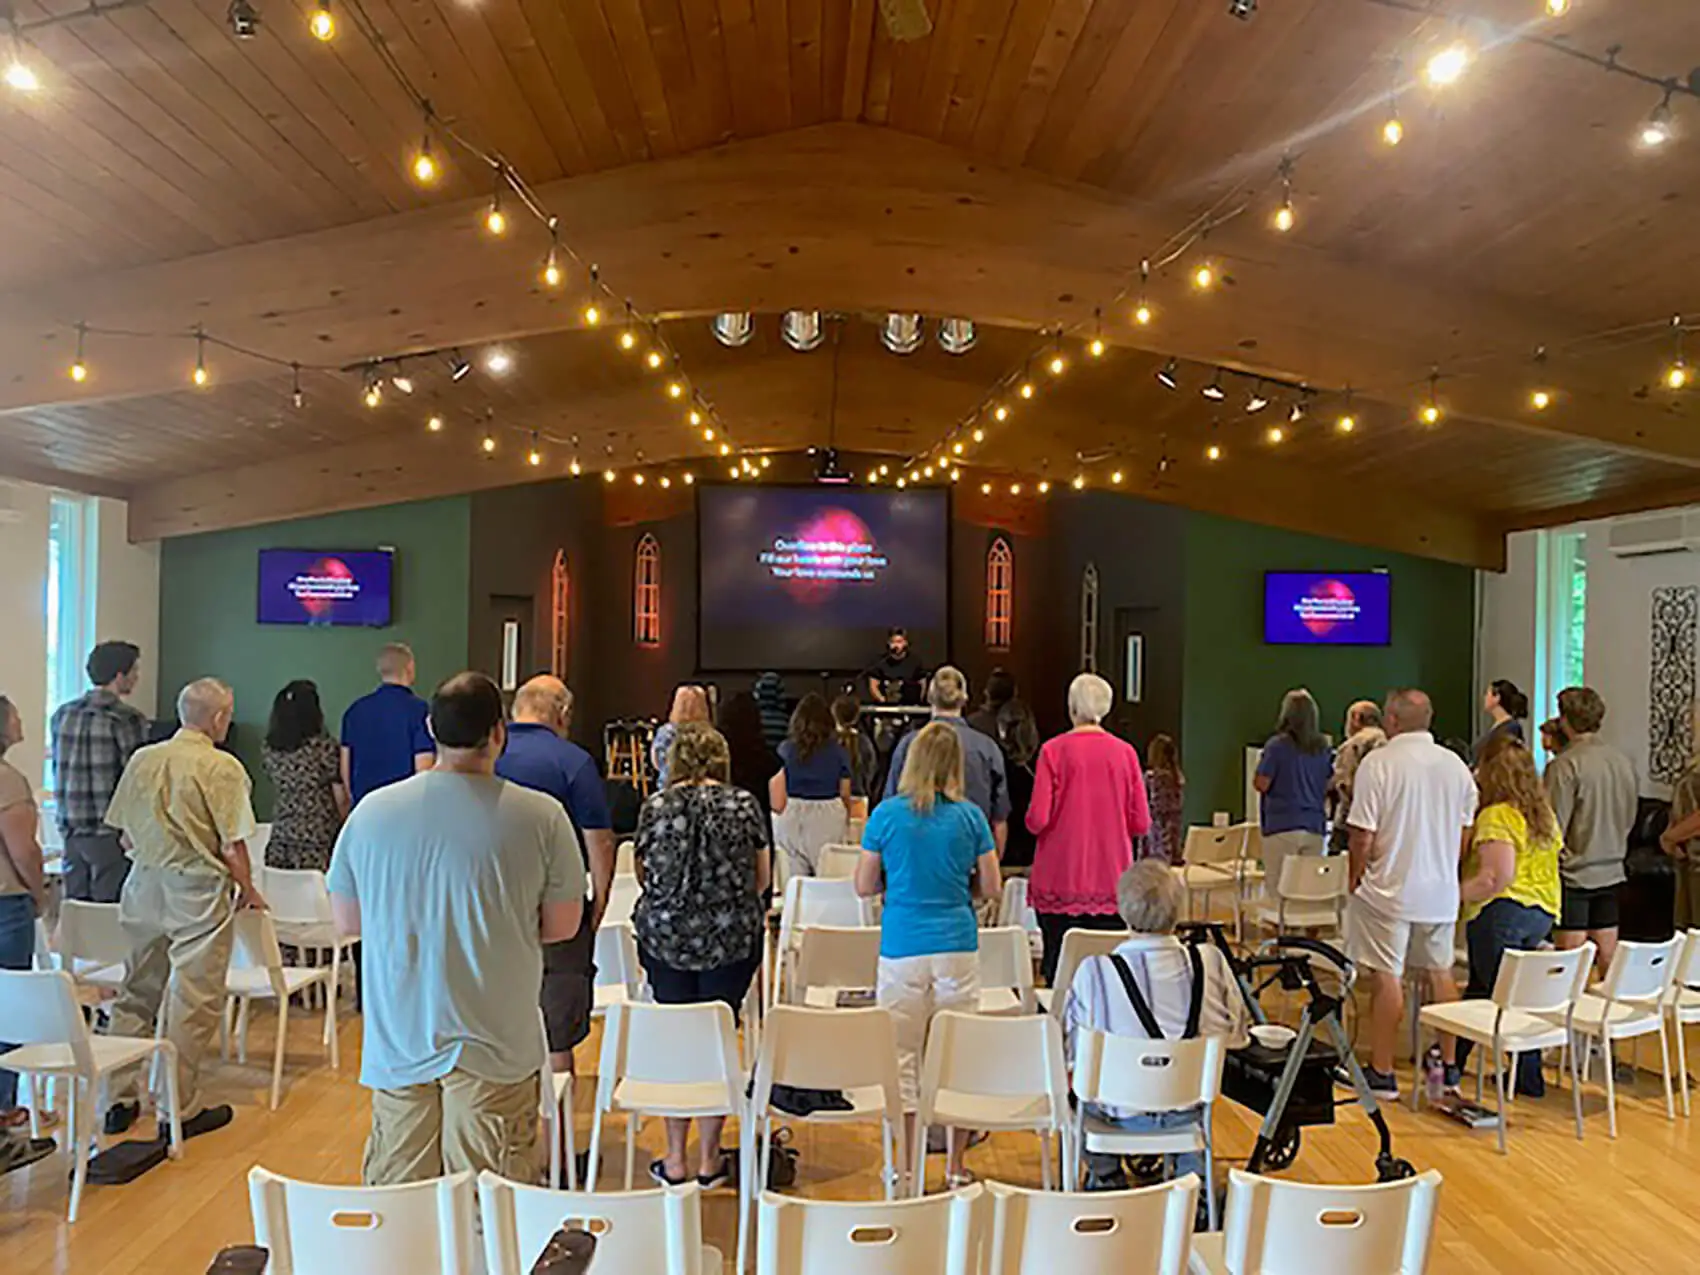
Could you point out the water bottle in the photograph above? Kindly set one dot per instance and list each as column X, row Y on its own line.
column 1434, row 1074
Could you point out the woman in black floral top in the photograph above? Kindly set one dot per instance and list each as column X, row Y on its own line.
column 303, row 763
column 703, row 858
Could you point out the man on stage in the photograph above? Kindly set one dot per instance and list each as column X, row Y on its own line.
column 895, row 678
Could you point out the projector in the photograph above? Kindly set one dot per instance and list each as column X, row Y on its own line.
column 827, row 469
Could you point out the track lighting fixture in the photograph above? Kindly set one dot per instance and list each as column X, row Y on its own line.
column 1244, row 10
column 803, row 330
column 1257, row 401
column 733, row 328
column 244, row 21
column 901, row 333
column 1214, row 390
column 957, row 336
column 458, row 366
column 1169, row 375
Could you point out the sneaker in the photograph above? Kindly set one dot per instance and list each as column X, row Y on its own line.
column 1453, row 1079
column 120, row 1116
column 1383, row 1084
column 206, row 1120
column 1116, row 1180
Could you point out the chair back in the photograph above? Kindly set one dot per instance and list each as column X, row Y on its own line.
column 297, row 896
column 1077, row 945
column 89, row 933
column 1001, row 1057
column 1214, row 847
column 257, row 843
column 817, row 901
column 1541, row 982
column 1293, row 1228
column 42, row 957
column 317, row 1230
column 1313, row 878
column 622, row 900
column 1147, row 1075
column 1642, row 971
column 256, row 948
column 838, row 862
column 836, row 956
column 625, row 859
column 1006, row 960
column 929, row 1236
column 656, row 1232
column 617, row 959
column 670, row 1045
column 1688, row 963
column 828, row 1049
column 1014, row 909
column 39, row 1007
column 1148, row 1231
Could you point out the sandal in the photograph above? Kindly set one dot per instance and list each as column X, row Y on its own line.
column 658, row 1174
column 722, row 1176
column 962, row 1178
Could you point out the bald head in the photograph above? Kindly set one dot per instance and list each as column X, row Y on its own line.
column 1408, row 710
column 1362, row 715
column 207, row 705
column 546, row 701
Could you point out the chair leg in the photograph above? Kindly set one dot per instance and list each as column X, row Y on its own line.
column 634, row 1122
column 168, row 1063
column 918, row 1158
column 82, row 1130
column 888, row 1140
column 1210, row 1203
column 1681, row 1062
column 243, row 1005
column 1499, row 1093
column 34, row 1083
column 331, row 1036
column 1575, row 1088
column 1046, row 1179
column 552, row 1131
column 746, row 1191
column 277, row 1053
column 564, row 1114
column 1611, row 1083
column 594, row 1164
column 224, row 1020
column 1664, row 1063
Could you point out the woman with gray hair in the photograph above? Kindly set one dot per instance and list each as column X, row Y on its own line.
column 1293, row 775
column 1089, row 807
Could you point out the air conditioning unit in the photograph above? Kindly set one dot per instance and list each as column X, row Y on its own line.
column 1674, row 531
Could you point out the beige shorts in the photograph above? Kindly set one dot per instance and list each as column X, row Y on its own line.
column 456, row 1124
column 1378, row 942
column 914, row 988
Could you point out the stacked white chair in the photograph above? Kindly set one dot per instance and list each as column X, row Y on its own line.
column 619, row 976
column 1006, row 971
column 655, row 1232
column 622, row 899
column 299, row 901
column 838, row 862
column 258, row 842
column 834, row 959
column 1683, row 1004
column 930, row 1236
column 811, row 901
column 92, row 947
column 257, row 973
column 1149, row 1076
column 1077, row 945
column 555, row 1101
column 992, row 1073
column 1531, row 990
column 40, row 1012
column 310, row 1229
column 625, row 859
column 1142, row 1232
column 1311, row 894
column 1294, row 1228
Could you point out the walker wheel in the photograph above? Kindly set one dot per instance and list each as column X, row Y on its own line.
column 1392, row 1169
column 1283, row 1148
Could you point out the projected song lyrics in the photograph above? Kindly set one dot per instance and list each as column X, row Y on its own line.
column 823, row 560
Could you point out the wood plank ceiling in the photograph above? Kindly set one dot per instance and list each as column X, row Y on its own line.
column 158, row 138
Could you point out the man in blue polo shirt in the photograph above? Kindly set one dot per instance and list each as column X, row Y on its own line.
column 539, row 755
column 384, row 735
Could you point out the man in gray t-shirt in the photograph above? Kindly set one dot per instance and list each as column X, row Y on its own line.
column 985, row 782
column 454, row 879
column 1594, row 794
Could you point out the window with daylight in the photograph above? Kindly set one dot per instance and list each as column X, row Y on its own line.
column 646, row 595
column 71, row 541
column 1000, row 582
column 558, row 595
column 1089, row 619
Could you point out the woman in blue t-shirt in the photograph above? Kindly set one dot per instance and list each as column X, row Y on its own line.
column 811, row 794
column 1293, row 776
column 927, row 849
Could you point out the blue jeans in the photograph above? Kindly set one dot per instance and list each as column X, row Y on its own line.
column 1504, row 925
column 1101, row 1165
column 17, row 951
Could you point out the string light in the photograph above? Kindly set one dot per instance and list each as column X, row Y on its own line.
column 1142, row 310
column 296, row 397
column 696, row 419
column 927, row 472
column 1204, row 276
column 1116, row 478
column 321, row 22
column 495, row 220
column 725, row 449
column 552, row 263
column 1557, row 8
column 1276, row 434
column 200, row 375
column 1213, row 452
column 608, row 475
column 1015, row 489
column 979, row 435
column 1658, row 128
column 654, row 359
column 592, row 314
column 1026, row 390
column 902, row 483
column 638, row 479
column 675, row 390
column 956, row 475
column 1540, row 398
column 435, row 424
column 690, row 478
column 1080, row 482
column 489, row 443
column 1096, row 348
column 1285, row 217
column 424, row 164
column 766, row 461
column 957, row 449
column 708, row 434
column 1058, row 365
column 534, row 457
column 574, row 468
column 1045, row 488
column 665, row 481
column 985, row 489
column 1431, row 413
column 1000, row 413
column 498, row 362
column 20, row 76
column 628, row 341
column 734, row 472
column 1447, row 67
column 79, row 370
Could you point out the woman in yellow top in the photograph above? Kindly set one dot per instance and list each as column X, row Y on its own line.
column 1511, row 886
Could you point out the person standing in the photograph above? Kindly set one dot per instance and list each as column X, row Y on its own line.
column 1165, row 792
column 895, row 677
column 1594, row 794
column 1413, row 805
column 999, row 692
column 1089, row 808
column 985, row 783
column 23, row 890
column 769, row 690
column 1293, row 774
column 690, row 704
column 1506, row 708
column 92, row 738
column 922, row 850
column 384, row 735
column 810, row 795
column 538, row 755
column 302, row 761
column 1363, row 736
column 185, row 811
column 454, row 880
column 847, row 729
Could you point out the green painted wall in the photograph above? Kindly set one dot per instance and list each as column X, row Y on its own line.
column 207, row 606
column 1234, row 683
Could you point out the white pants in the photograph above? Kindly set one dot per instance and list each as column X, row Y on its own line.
column 807, row 827
column 1276, row 847
column 913, row 989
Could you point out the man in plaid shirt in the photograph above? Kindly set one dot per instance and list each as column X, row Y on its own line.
column 92, row 739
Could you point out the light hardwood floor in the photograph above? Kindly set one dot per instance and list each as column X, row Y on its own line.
column 1552, row 1205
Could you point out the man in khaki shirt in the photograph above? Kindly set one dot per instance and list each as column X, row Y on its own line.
column 184, row 810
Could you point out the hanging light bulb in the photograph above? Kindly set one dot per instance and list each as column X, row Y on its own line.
column 592, row 314
column 675, row 390
column 534, row 457
column 1204, row 276
column 1540, row 400
column 79, row 370
column 1015, row 489
column 1285, row 217
column 20, row 75
column 435, row 424
column 321, row 22
column 902, row 483
column 956, row 475
column 1000, row 413
column 1213, row 452
column 689, row 478
column 1026, row 390
column 1431, row 413
column 574, row 468
column 1045, row 488
column 296, row 397
column 1057, row 366
column 1447, row 67
column 654, row 359
column 1677, row 375
column 1116, row 478
column 1276, row 434
column 696, row 418
column 200, row 375
column 708, row 433
column 766, row 461
column 1393, row 131
column 374, row 394
column 424, row 164
column 488, row 443
column 1658, row 128
column 628, row 340
column 979, row 435
column 1080, row 482
column 495, row 220
column 985, row 489
column 1142, row 311
column 638, row 479
column 498, row 362
column 552, row 274
column 927, row 472
column 1096, row 347
column 1557, row 8
column 726, row 449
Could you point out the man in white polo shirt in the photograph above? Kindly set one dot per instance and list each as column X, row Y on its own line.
column 1412, row 805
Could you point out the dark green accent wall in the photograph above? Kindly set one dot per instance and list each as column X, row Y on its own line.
column 207, row 606
column 1234, row 683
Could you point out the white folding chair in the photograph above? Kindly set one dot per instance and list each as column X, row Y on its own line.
column 1209, row 862
column 311, row 1229
column 655, row 1232
column 668, row 1060
column 257, row 973
column 1249, row 873
column 1006, row 971
column 1683, row 1004
column 838, row 862
column 1148, row 1076
column 1630, row 1004
column 1077, row 945
column 1530, row 985
column 555, row 1106
column 1311, row 894
column 300, row 905
column 983, row 1072
column 930, row 1236
column 619, row 976
column 258, row 842
column 40, row 1012
column 623, row 895
column 1142, row 1232
column 625, row 859
column 92, row 947
column 812, row 901
column 832, row 959
column 1013, row 908
column 1295, row 1228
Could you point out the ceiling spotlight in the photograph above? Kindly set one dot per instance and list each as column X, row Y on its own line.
column 956, row 336
column 901, row 333
column 498, row 362
column 1448, row 66
column 458, row 366
column 1658, row 128
column 802, row 330
column 244, row 21
column 1214, row 390
column 402, row 382
column 1257, row 402
column 1297, row 412
column 1169, row 375
column 321, row 22
column 733, row 328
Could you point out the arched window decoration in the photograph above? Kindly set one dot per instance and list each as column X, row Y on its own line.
column 1089, row 619
column 1000, row 584
column 558, row 595
column 646, row 595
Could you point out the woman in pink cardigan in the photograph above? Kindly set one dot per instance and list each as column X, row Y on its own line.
column 1088, row 808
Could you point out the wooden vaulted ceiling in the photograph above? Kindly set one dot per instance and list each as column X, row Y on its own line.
column 1014, row 167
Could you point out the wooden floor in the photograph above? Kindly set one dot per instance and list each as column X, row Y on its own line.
column 1552, row 1205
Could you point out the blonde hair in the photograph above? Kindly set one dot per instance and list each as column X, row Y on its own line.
column 1507, row 775
column 690, row 704
column 698, row 752
column 933, row 768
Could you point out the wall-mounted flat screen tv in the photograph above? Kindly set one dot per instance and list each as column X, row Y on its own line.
column 1327, row 608
column 326, row 587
